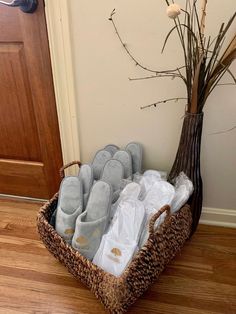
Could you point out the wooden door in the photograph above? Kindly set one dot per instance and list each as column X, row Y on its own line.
column 30, row 151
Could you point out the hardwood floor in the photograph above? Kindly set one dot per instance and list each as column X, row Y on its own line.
column 202, row 279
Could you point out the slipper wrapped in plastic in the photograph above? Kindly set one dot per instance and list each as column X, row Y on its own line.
column 160, row 194
column 121, row 242
column 131, row 191
column 183, row 190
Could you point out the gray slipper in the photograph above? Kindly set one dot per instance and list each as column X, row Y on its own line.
column 86, row 177
column 136, row 152
column 111, row 148
column 101, row 157
column 125, row 158
column 113, row 173
column 69, row 207
column 91, row 224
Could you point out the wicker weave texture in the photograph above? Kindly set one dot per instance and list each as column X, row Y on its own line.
column 117, row 294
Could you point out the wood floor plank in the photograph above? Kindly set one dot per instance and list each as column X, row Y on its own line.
column 201, row 279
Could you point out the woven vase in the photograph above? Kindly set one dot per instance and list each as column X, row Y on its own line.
column 188, row 160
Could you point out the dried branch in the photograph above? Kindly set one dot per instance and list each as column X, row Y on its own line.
column 225, row 131
column 172, row 76
column 202, row 24
column 163, row 102
column 137, row 63
column 226, row 84
column 205, row 64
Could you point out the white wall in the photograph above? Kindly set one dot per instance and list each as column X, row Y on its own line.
column 108, row 103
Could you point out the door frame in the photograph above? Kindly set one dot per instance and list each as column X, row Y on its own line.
column 59, row 35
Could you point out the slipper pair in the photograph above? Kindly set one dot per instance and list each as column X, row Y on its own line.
column 116, row 166
column 134, row 150
column 83, row 230
column 93, row 222
column 119, row 159
column 85, row 183
column 105, row 168
column 119, row 245
column 130, row 157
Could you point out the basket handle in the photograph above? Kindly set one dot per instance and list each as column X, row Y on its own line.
column 156, row 216
column 62, row 170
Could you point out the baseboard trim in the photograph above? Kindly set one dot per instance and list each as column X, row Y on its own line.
column 218, row 217
column 22, row 198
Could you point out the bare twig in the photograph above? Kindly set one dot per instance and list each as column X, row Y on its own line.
column 225, row 131
column 137, row 63
column 224, row 84
column 203, row 18
column 163, row 102
column 173, row 76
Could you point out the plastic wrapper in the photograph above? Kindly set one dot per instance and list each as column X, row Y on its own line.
column 113, row 256
column 162, row 193
column 183, row 190
column 148, row 179
column 120, row 243
column 159, row 174
column 131, row 191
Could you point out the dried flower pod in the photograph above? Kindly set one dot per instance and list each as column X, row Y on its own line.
column 173, row 10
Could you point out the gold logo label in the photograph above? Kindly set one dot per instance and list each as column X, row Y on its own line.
column 69, row 231
column 116, row 251
column 82, row 241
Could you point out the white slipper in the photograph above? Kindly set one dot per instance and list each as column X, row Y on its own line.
column 120, row 243
column 99, row 161
column 69, row 207
column 161, row 193
column 147, row 180
column 131, row 191
column 128, row 221
column 114, row 257
column 91, row 224
column 125, row 158
column 136, row 152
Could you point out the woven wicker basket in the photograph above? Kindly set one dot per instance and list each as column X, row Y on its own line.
column 118, row 293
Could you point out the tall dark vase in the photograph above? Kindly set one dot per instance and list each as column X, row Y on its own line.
column 188, row 160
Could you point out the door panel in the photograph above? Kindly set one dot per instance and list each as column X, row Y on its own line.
column 16, row 105
column 30, row 151
column 29, row 173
